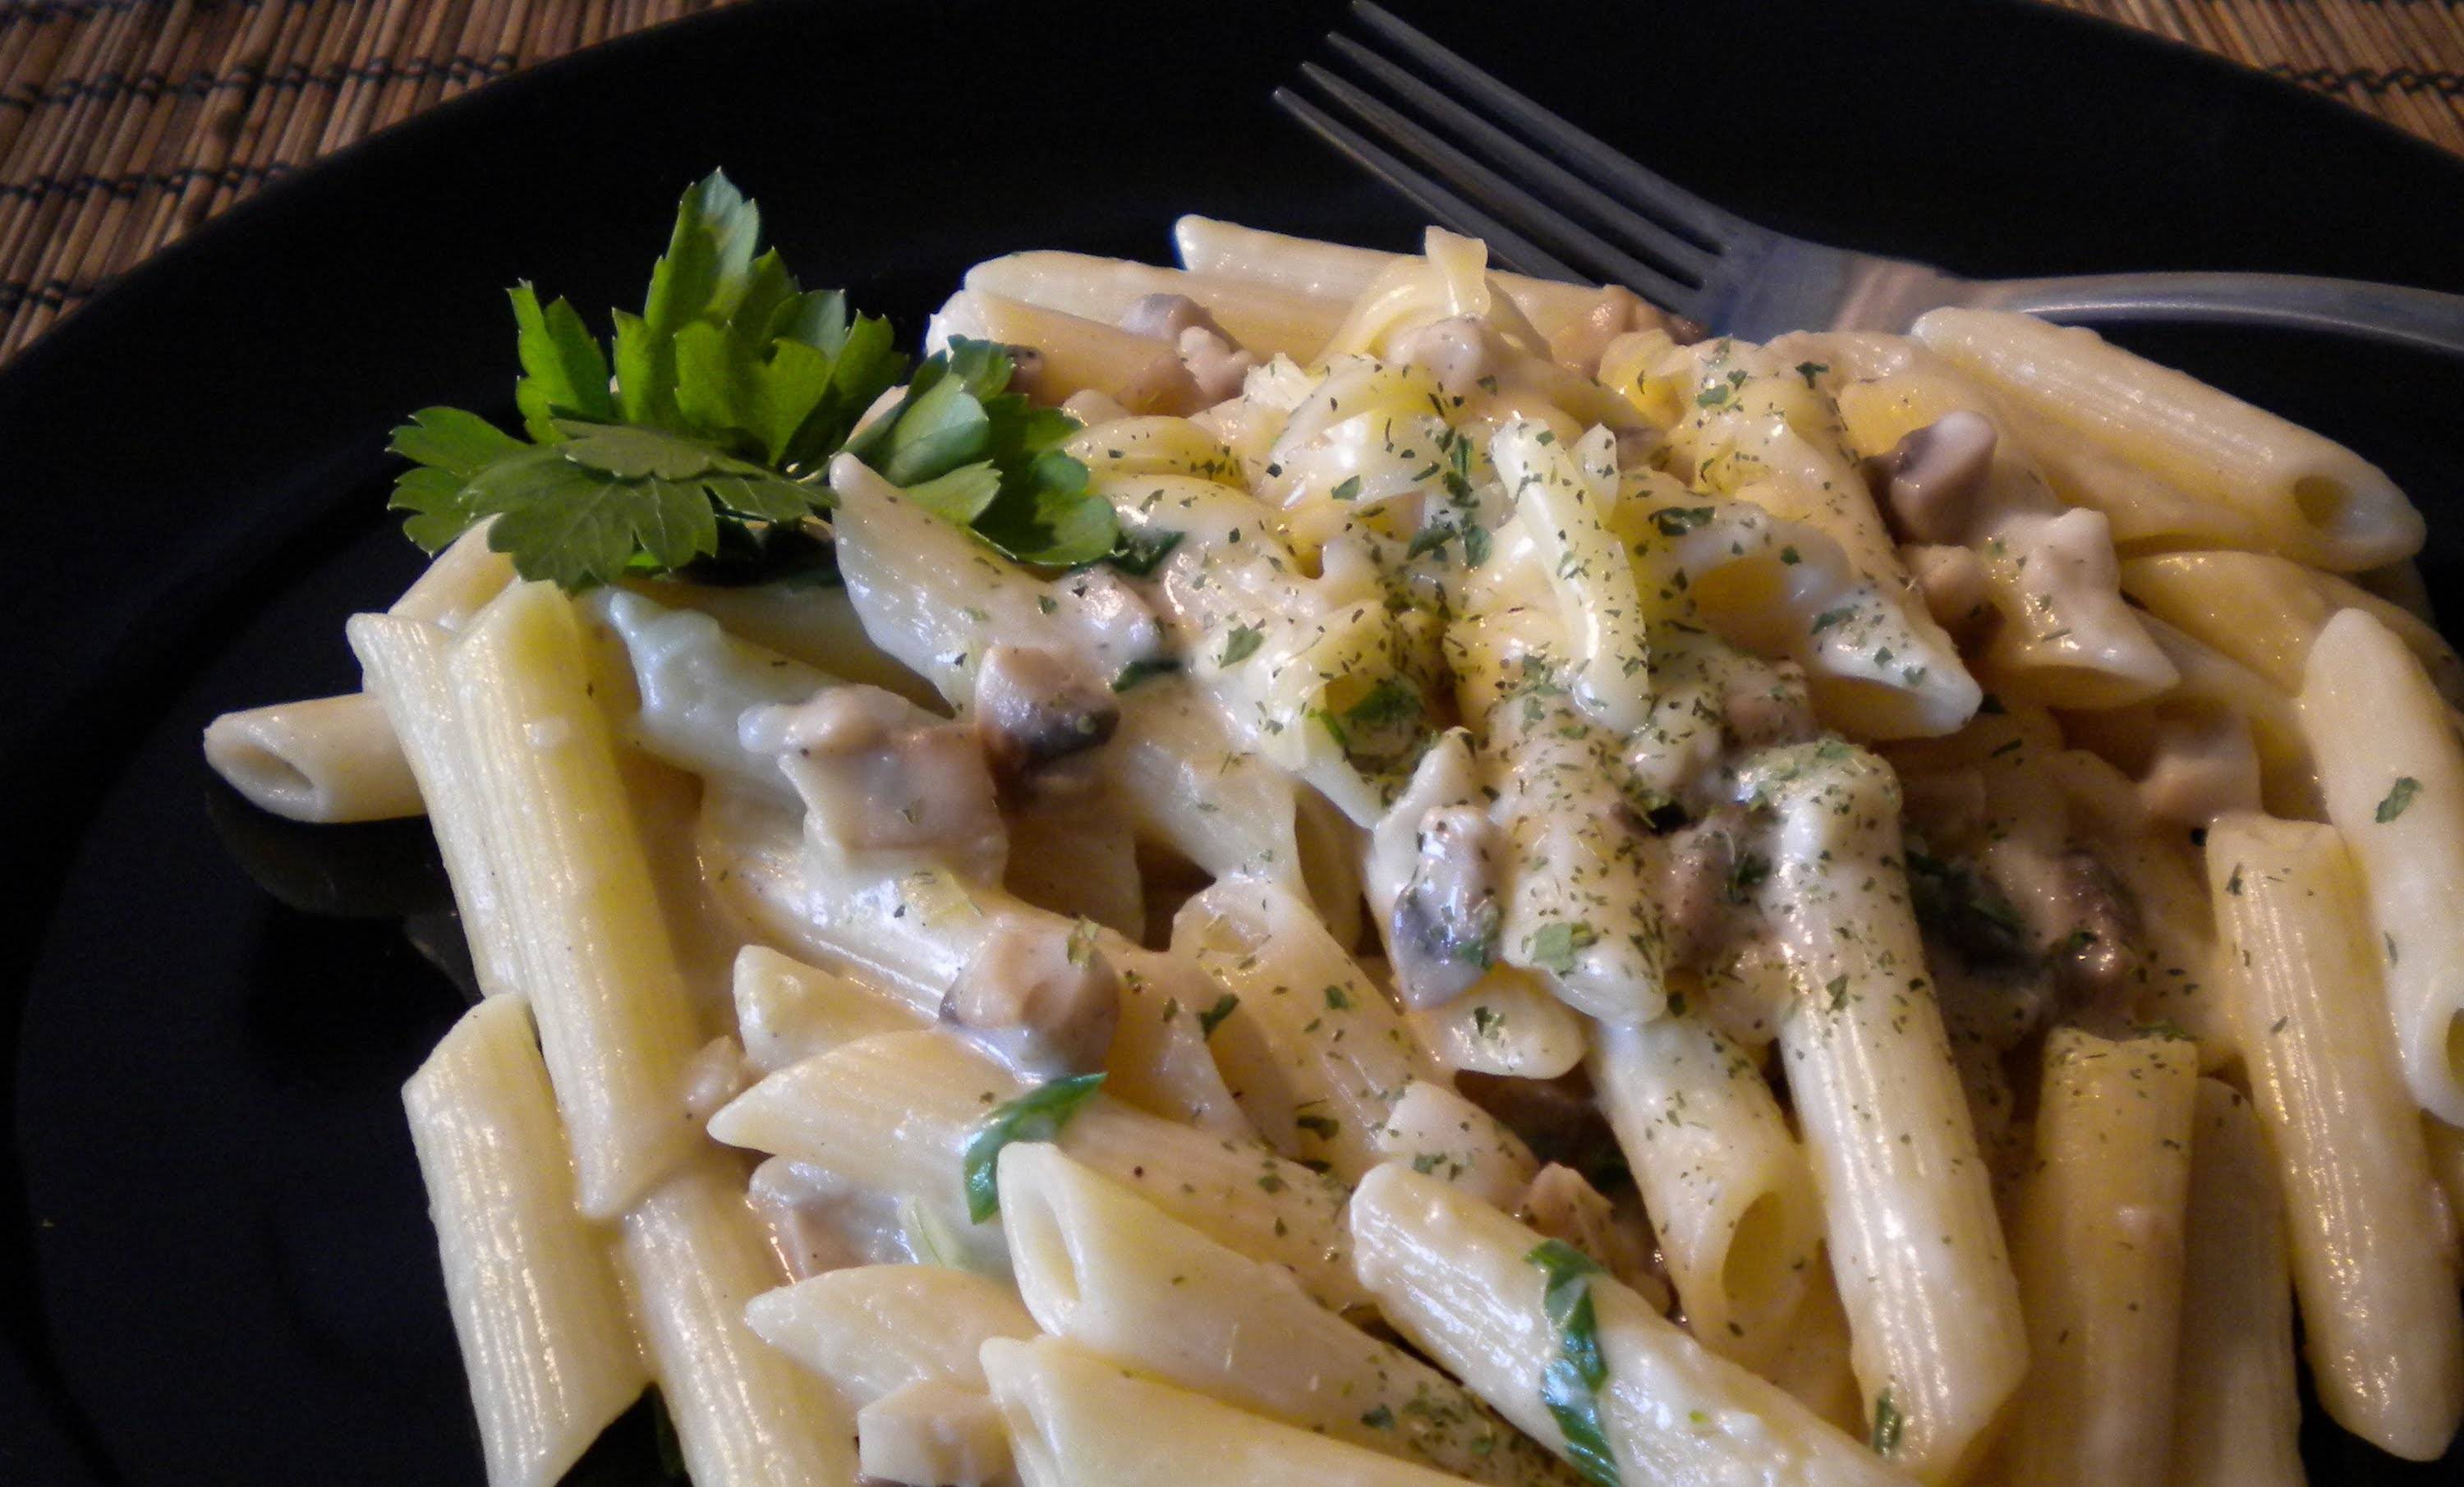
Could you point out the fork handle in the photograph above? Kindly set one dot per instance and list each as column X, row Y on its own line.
column 2420, row 318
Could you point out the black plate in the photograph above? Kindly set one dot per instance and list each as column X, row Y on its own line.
column 221, row 1270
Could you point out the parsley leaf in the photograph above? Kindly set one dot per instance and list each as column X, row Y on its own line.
column 1240, row 645
column 1555, row 946
column 1570, row 1385
column 1213, row 1016
column 2398, row 796
column 1888, row 1424
column 732, row 390
column 1038, row 1115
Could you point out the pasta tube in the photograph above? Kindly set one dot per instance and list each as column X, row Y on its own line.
column 403, row 661
column 325, row 760
column 2373, row 1246
column 1312, row 1048
column 2100, row 1258
column 1454, row 1276
column 897, row 1111
column 2393, row 775
column 746, row 1416
column 874, row 1329
column 1938, row 1341
column 2237, row 1411
column 545, row 1340
column 1076, row 1420
column 1106, row 1270
column 591, row 941
column 1726, row 1186
column 2313, row 500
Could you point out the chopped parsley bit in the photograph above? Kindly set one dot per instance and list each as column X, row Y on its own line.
column 2233, row 884
column 2397, row 798
column 1831, row 617
column 1788, row 555
column 1485, row 1022
column 1337, row 1000
column 1381, row 1418
column 1888, row 1424
column 1240, row 645
column 1138, row 672
column 1555, row 946
column 1045, row 603
column 1675, row 521
column 1570, row 1385
column 1348, row 488
column 1809, row 371
column 1323, row 1127
column 1213, row 1016
column 1143, row 551
column 1838, row 989
column 1038, row 1115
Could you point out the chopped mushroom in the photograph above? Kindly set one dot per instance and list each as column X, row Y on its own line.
column 1034, row 708
column 1216, row 363
column 1038, row 995
column 1710, row 871
column 1931, row 478
column 1563, row 1206
column 877, row 774
column 807, row 1209
column 1955, row 586
column 1446, row 917
column 2204, row 765
column 1164, row 317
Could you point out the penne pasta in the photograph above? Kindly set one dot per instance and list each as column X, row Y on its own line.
column 547, row 1340
column 590, row 942
column 1457, row 1278
column 2099, row 1242
column 2392, row 773
column 2312, row 501
column 2373, row 1243
column 2237, row 1407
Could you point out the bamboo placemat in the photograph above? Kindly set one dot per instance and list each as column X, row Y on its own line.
column 124, row 123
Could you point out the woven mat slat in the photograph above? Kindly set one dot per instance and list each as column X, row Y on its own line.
column 126, row 123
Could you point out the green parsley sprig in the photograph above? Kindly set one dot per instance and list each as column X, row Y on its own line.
column 700, row 437
column 1038, row 1115
column 1571, row 1384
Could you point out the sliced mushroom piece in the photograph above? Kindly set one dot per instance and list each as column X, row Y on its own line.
column 877, row 774
column 814, row 1220
column 1446, row 917
column 1562, row 1205
column 1711, row 869
column 1034, row 706
column 1165, row 317
column 1932, row 479
column 2092, row 952
column 1039, row 996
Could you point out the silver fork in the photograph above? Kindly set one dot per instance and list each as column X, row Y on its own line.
column 1556, row 203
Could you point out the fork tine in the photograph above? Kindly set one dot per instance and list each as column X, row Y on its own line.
column 1459, row 169
column 1706, row 223
column 1679, row 254
column 1512, row 248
